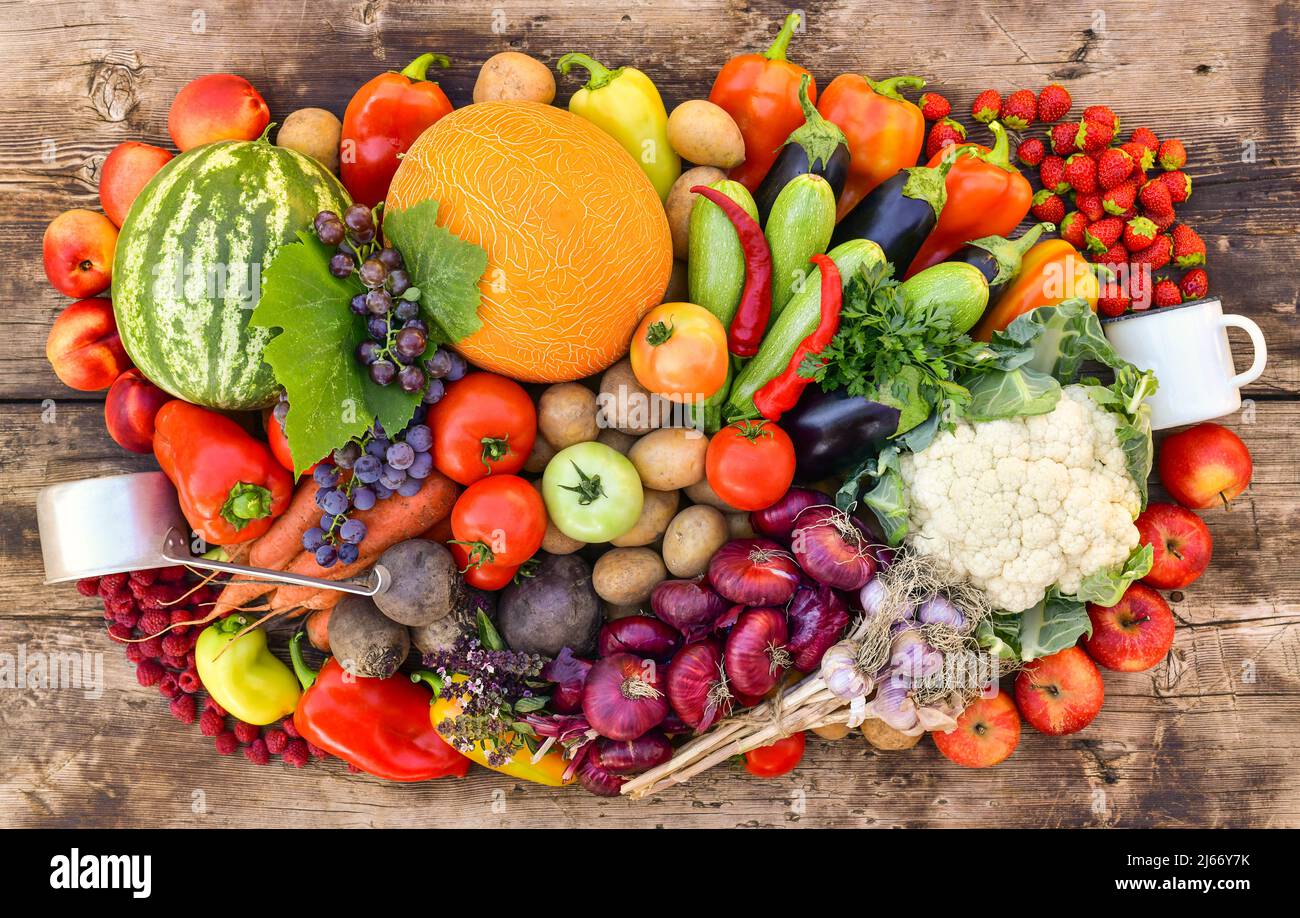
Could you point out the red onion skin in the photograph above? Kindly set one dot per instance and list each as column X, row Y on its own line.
column 826, row 556
column 631, row 757
column 691, row 606
column 597, row 780
column 817, row 618
column 568, row 672
column 608, row 708
column 747, row 656
column 693, row 672
column 777, row 521
column 640, row 635
column 754, row 572
column 673, row 724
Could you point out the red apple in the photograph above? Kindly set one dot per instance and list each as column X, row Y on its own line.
column 1182, row 545
column 126, row 171
column 130, row 408
column 1060, row 694
column 1204, row 466
column 83, row 346
column 987, row 733
column 219, row 106
column 78, row 249
column 1134, row 634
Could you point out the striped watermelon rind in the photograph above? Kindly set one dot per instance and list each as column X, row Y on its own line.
column 190, row 258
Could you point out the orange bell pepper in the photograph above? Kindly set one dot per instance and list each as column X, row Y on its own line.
column 1050, row 273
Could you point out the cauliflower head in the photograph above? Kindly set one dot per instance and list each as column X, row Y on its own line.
column 1021, row 505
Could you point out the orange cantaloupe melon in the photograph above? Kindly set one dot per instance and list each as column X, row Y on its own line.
column 577, row 241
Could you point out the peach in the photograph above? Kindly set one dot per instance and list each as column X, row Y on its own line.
column 126, row 171
column 219, row 106
column 78, row 250
column 130, row 408
column 83, row 346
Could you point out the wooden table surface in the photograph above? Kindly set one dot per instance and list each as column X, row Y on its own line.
column 1209, row 738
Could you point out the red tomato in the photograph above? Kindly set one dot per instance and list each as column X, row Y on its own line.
column 484, row 576
column 484, row 425
column 499, row 520
column 279, row 444
column 777, row 759
column 750, row 464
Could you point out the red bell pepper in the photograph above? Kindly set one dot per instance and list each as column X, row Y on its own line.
column 383, row 119
column 987, row 196
column 229, row 484
column 885, row 131
column 380, row 726
column 779, row 394
column 761, row 92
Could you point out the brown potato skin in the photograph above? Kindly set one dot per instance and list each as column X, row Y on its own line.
column 514, row 76
column 627, row 576
column 704, row 133
column 313, row 132
column 679, row 203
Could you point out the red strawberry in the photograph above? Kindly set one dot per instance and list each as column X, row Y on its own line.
column 1020, row 110
column 1179, row 184
column 1103, row 115
column 1146, row 137
column 1162, row 221
column 1114, row 303
column 987, row 106
column 1120, row 199
column 1189, row 247
column 1053, row 103
column 1048, row 206
column 1166, row 293
column 1139, row 233
column 1092, row 136
column 1114, row 166
column 1081, row 173
column 1195, row 284
column 934, row 106
column 1113, row 257
column 1140, row 286
column 1171, row 155
column 1102, row 234
column 1031, row 151
column 1157, row 254
column 1155, row 199
column 1052, row 174
column 944, row 133
column 1072, row 226
column 1143, row 156
column 1090, row 205
column 1062, row 138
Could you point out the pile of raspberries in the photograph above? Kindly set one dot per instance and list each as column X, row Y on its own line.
column 1113, row 198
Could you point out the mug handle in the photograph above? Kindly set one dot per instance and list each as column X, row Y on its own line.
column 1257, row 340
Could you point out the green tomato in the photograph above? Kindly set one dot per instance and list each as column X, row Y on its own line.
column 592, row 492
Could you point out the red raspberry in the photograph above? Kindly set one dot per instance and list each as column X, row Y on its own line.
column 133, row 654
column 181, row 617
column 1031, row 151
column 112, row 583
column 151, row 648
column 184, row 709
column 130, row 618
column 189, row 681
column 276, row 740
column 151, row 623
column 177, row 645
column 171, row 662
column 295, row 753
column 288, row 726
column 149, row 673
column 171, row 574
column 168, row 687
column 145, row 577
column 226, row 743
column 120, row 604
column 256, row 752
column 247, row 732
column 120, row 632
column 210, row 704
column 317, row 752
column 211, row 722
column 88, row 586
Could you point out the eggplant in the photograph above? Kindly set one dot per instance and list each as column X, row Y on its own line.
column 998, row 258
column 899, row 214
column 834, row 431
column 816, row 147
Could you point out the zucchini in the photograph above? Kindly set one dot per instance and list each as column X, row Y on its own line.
column 715, row 265
column 707, row 415
column 797, row 321
column 956, row 288
column 799, row 227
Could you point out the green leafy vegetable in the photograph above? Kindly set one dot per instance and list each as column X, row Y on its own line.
column 1106, row 587
column 1057, row 622
column 444, row 267
column 1012, row 394
column 887, row 496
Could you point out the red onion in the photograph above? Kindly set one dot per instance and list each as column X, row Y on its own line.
column 673, row 724
column 833, row 548
column 640, row 635
column 754, row 572
column 695, row 685
column 777, row 521
column 598, row 780
column 631, row 757
column 621, row 698
column 817, row 617
column 755, row 657
column 690, row 606
column 568, row 673
column 728, row 619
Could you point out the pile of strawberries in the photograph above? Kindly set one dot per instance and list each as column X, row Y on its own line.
column 1116, row 199
column 155, row 605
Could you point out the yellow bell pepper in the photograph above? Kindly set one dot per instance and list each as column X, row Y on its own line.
column 1050, row 273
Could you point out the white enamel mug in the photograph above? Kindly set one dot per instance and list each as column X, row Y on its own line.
column 1187, row 347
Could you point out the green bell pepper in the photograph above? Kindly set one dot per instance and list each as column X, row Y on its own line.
column 242, row 674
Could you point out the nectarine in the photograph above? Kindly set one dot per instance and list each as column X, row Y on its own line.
column 83, row 346
column 219, row 106
column 78, row 251
column 127, row 170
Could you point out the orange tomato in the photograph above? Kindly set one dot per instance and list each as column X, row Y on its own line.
column 679, row 351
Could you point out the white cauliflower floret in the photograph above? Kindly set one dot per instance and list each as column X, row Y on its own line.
column 1021, row 505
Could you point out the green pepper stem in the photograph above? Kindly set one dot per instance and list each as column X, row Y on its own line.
column 306, row 675
column 246, row 502
column 418, row 69
column 890, row 88
column 777, row 50
column 598, row 75
column 429, row 679
column 231, row 624
column 1000, row 153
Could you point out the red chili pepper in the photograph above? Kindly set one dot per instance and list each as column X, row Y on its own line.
column 378, row 725
column 779, row 394
column 750, row 321
column 383, row 119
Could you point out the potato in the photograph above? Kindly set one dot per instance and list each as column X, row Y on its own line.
column 364, row 640
column 702, row 493
column 554, row 541
column 702, row 132
column 426, row 583
column 566, row 414
column 739, row 526
column 616, row 440
column 692, row 538
column 680, row 201
column 657, row 511
column 627, row 405
column 883, row 736
column 512, row 76
column 679, row 284
column 670, row 458
column 626, row 576
column 541, row 454
column 832, row 731
column 613, row 612
column 313, row 132
column 553, row 609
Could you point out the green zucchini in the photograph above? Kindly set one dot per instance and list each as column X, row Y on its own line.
column 707, row 415
column 797, row 321
column 799, row 227
column 956, row 288
column 715, row 265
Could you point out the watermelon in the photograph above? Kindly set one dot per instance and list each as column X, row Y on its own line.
column 190, row 257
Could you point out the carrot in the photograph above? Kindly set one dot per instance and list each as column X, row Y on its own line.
column 283, row 541
column 318, row 629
